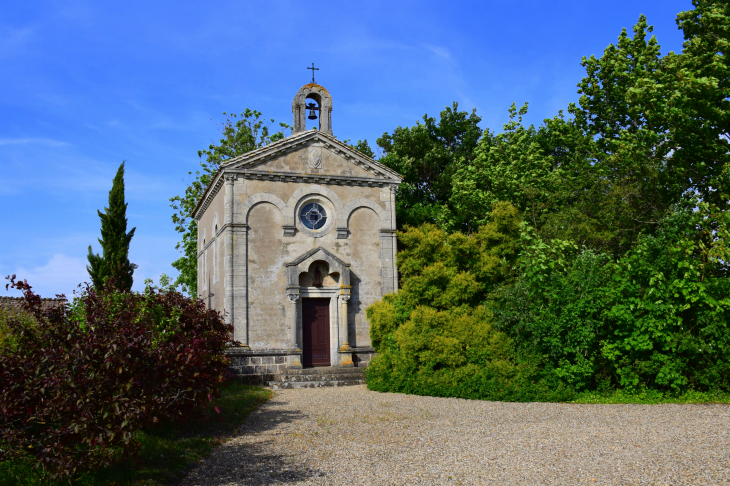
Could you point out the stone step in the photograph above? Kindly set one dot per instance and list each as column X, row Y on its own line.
column 324, row 370
column 288, row 385
column 322, row 377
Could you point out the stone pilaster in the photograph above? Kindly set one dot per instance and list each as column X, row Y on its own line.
column 394, row 240
column 228, row 306
column 344, row 298
column 294, row 319
column 345, row 352
column 295, row 352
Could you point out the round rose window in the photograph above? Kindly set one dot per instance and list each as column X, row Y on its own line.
column 313, row 216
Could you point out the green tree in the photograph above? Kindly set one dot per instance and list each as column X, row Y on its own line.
column 241, row 133
column 114, row 260
column 648, row 130
column 426, row 155
column 522, row 165
column 363, row 147
column 655, row 129
column 700, row 120
column 670, row 306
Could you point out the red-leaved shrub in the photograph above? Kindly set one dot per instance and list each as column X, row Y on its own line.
column 83, row 378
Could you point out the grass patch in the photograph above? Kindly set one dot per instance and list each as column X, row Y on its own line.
column 650, row 397
column 168, row 451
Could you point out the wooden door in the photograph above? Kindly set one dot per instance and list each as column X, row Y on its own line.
column 316, row 332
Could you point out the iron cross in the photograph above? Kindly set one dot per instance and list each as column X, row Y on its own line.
column 313, row 69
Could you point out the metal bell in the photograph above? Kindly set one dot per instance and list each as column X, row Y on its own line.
column 312, row 107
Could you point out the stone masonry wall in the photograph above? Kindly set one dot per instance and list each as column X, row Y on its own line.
column 256, row 367
column 17, row 302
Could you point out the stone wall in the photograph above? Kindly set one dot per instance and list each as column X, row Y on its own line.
column 362, row 356
column 17, row 302
column 256, row 367
column 267, row 302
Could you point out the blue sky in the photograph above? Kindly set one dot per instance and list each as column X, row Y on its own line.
column 85, row 85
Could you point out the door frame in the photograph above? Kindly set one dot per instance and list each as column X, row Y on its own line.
column 334, row 311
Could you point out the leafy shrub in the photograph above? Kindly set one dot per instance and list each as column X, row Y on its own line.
column 555, row 309
column 436, row 336
column 78, row 385
column 459, row 354
column 670, row 306
column 657, row 318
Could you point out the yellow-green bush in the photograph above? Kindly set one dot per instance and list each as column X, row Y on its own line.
column 457, row 353
column 436, row 336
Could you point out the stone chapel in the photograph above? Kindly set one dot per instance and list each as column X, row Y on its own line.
column 295, row 241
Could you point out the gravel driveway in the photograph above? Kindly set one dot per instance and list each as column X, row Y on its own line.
column 351, row 436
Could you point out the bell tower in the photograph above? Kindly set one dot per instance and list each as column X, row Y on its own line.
column 310, row 99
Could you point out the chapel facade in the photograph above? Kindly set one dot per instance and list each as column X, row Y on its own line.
column 295, row 241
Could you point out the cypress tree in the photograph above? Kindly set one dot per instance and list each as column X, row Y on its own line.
column 114, row 260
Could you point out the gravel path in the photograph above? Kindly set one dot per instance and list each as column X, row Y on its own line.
column 352, row 436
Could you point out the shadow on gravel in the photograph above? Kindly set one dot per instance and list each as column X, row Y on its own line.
column 253, row 463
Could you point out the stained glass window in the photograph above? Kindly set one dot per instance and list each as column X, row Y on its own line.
column 313, row 216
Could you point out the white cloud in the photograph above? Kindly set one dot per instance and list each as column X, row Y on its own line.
column 439, row 51
column 61, row 274
column 42, row 141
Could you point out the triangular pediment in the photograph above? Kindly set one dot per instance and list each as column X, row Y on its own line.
column 313, row 252
column 313, row 153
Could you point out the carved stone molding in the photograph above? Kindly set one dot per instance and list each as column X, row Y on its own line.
column 314, row 158
column 208, row 198
column 289, row 230
column 293, row 297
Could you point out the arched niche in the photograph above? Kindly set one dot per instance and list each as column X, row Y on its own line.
column 323, row 99
column 318, row 275
column 303, row 269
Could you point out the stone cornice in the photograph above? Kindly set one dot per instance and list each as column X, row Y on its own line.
column 208, row 195
column 318, row 178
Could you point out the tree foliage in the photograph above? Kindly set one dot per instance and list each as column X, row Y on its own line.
column 80, row 380
column 426, row 155
column 113, row 263
column 240, row 134
column 363, row 147
column 616, row 275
